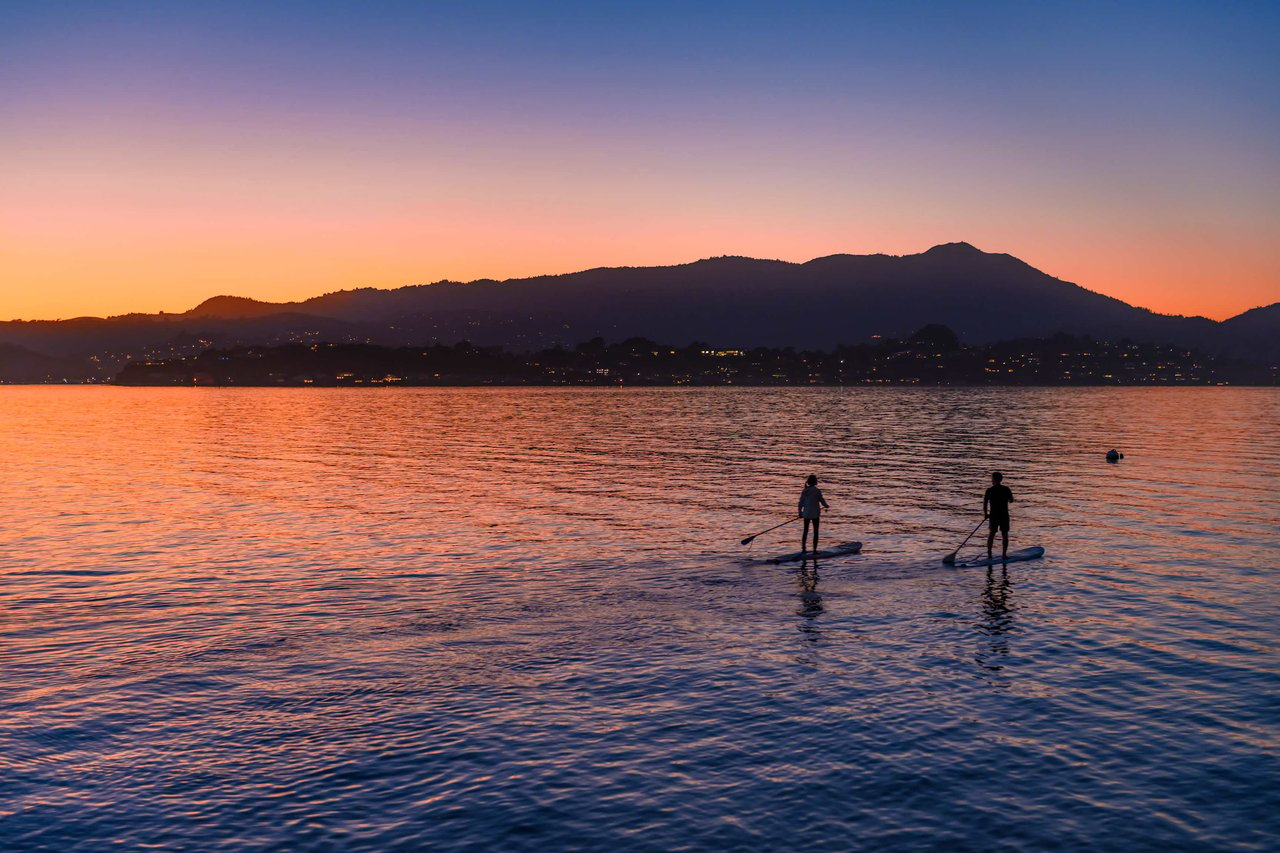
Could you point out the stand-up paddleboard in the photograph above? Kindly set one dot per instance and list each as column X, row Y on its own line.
column 837, row 551
column 1033, row 553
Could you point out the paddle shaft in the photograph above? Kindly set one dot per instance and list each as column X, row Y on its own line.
column 747, row 541
column 952, row 555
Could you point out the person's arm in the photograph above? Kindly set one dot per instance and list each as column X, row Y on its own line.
column 823, row 501
column 800, row 506
column 986, row 502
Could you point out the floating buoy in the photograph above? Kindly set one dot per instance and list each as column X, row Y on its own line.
column 1114, row 455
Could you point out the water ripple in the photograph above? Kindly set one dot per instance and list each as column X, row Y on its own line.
column 519, row 619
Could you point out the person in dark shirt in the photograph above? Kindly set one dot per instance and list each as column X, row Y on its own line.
column 810, row 509
column 995, row 508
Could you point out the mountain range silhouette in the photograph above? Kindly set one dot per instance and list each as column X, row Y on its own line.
column 724, row 301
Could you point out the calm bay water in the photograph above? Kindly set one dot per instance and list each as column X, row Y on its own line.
column 520, row 619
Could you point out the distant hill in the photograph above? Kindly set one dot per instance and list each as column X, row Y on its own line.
column 231, row 307
column 745, row 302
column 727, row 302
column 1253, row 335
column 19, row 365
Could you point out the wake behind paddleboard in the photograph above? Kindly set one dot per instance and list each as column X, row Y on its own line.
column 837, row 551
column 1032, row 553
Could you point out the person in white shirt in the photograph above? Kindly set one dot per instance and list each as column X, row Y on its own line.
column 811, row 506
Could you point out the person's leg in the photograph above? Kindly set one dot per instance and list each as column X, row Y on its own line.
column 804, row 537
column 815, row 535
column 1004, row 538
column 991, row 538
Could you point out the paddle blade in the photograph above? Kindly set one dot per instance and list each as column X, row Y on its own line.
column 950, row 559
column 747, row 541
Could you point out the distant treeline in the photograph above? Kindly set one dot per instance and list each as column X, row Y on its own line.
column 933, row 356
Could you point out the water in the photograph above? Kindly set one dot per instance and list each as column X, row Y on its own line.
column 519, row 619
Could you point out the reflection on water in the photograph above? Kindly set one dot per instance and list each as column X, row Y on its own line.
column 810, row 600
column 492, row 618
column 997, row 613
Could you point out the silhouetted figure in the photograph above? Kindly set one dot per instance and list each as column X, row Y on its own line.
column 811, row 506
column 1114, row 455
column 995, row 508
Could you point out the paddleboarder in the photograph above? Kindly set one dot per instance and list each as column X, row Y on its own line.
column 995, row 508
column 810, row 509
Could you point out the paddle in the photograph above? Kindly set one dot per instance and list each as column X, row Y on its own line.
column 747, row 541
column 950, row 559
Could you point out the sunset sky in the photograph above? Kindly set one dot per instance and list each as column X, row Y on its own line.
column 154, row 154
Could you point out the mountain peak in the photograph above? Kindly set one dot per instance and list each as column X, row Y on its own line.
column 233, row 306
column 955, row 249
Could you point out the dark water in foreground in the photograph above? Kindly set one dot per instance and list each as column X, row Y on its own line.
column 519, row 619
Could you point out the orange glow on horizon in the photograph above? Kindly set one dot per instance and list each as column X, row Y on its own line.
column 113, row 274
column 166, row 222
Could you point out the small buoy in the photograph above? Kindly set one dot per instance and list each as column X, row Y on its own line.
column 1114, row 455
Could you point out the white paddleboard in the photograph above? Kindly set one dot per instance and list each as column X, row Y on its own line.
column 837, row 551
column 1033, row 553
